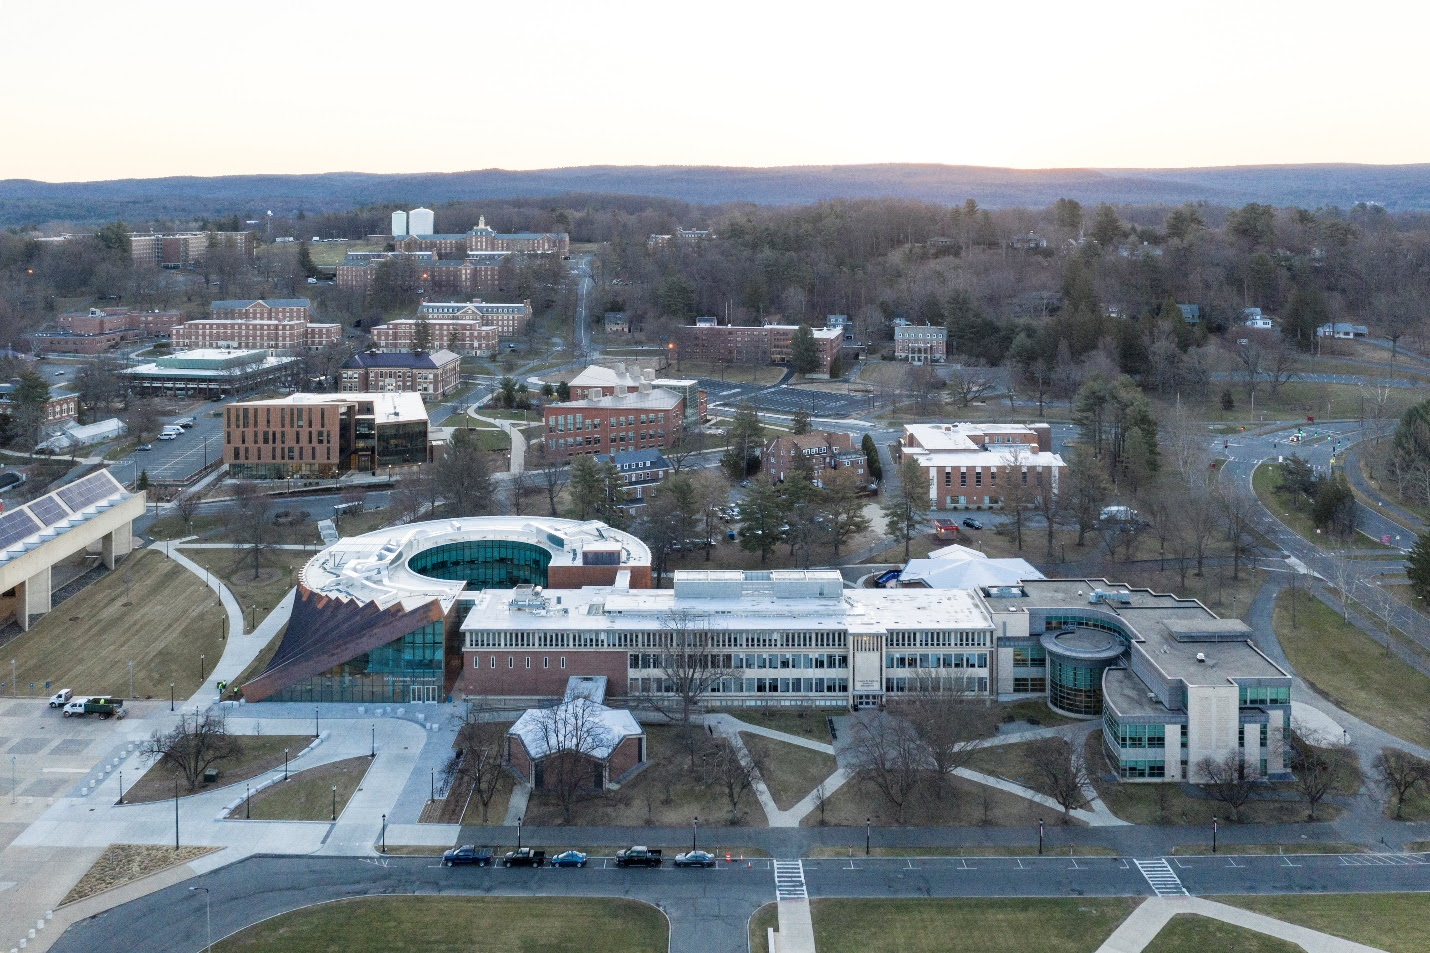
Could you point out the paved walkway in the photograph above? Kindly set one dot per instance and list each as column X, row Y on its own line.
column 518, row 439
column 1147, row 921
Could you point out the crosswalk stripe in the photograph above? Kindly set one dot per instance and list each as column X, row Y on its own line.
column 1161, row 878
column 789, row 880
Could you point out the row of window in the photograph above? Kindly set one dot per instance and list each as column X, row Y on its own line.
column 1255, row 695
column 561, row 423
column 743, row 661
column 1029, row 684
column 1032, row 656
column 484, row 638
column 286, row 453
column 750, row 686
column 511, row 661
column 936, row 660
column 898, row 684
column 935, row 638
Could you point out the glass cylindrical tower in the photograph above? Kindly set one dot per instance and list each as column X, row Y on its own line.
column 1076, row 660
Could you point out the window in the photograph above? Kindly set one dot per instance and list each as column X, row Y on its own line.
column 545, row 662
column 511, row 661
column 494, row 661
column 563, row 661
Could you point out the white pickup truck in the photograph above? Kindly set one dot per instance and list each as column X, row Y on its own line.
column 60, row 697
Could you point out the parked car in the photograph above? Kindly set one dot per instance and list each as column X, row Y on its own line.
column 467, row 854
column 972, row 523
column 638, row 856
column 569, row 858
column 60, row 697
column 144, row 446
column 695, row 858
column 524, row 857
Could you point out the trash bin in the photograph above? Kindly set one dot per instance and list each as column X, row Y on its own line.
column 210, row 775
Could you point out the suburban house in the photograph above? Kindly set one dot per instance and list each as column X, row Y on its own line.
column 640, row 471
column 1191, row 313
column 1342, row 331
column 1253, row 318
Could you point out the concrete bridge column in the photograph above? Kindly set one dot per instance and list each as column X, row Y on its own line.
column 34, row 598
column 118, row 543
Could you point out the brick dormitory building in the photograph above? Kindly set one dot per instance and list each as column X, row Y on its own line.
column 969, row 465
column 279, row 324
column 433, row 374
column 635, row 416
column 707, row 340
column 817, row 455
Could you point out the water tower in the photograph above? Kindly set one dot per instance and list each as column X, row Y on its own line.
column 420, row 222
column 399, row 224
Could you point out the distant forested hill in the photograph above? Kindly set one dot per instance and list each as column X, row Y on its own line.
column 1398, row 188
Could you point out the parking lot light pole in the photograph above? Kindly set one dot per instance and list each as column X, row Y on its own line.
column 694, row 831
column 868, row 833
column 1040, row 837
column 1213, row 835
column 335, row 802
column 171, row 696
column 285, row 764
column 208, row 916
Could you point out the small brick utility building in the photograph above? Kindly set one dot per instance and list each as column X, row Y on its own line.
column 579, row 740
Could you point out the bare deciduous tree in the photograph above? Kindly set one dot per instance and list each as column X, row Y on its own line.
column 573, row 734
column 1401, row 774
column 732, row 771
column 194, row 745
column 1320, row 765
column 1060, row 764
column 482, row 746
column 1227, row 781
column 889, row 754
column 950, row 723
column 256, row 524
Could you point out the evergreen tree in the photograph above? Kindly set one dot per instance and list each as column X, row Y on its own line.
column 27, row 412
column 906, row 508
column 422, row 336
column 1107, row 229
column 799, row 424
column 1306, row 311
column 596, row 491
column 1417, row 567
column 305, row 261
column 871, row 455
column 762, row 513
column 745, row 437
column 803, row 351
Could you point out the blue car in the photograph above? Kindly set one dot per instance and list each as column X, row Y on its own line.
column 569, row 858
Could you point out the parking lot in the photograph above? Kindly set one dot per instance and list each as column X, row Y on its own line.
column 182, row 457
column 816, row 403
column 50, row 755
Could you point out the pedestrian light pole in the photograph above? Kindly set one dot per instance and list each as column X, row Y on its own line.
column 131, row 679
column 1040, row 837
column 208, row 916
column 868, row 834
column 285, row 764
column 171, row 696
column 335, row 802
column 1213, row 835
column 374, row 740
column 315, row 721
column 694, row 831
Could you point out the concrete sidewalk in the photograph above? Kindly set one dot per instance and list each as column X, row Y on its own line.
column 1148, row 920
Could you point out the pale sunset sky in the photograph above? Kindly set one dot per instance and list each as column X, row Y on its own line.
column 107, row 90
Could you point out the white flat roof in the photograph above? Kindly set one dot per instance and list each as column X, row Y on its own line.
column 387, row 406
column 373, row 567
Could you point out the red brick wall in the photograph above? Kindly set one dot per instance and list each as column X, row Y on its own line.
column 517, row 757
column 625, row 757
column 479, row 678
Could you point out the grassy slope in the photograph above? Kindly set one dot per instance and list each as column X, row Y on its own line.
column 1394, row 922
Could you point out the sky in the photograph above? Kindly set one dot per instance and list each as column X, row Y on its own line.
column 144, row 88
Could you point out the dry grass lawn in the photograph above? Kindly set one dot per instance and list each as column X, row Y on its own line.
column 987, row 925
column 150, row 611
column 308, row 795
column 276, row 575
column 1351, row 670
column 789, row 771
column 260, row 753
column 811, row 723
column 953, row 803
column 1190, row 933
column 122, row 863
column 453, row 924
column 1394, row 922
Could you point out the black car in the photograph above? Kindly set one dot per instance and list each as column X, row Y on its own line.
column 695, row 858
column 972, row 523
column 467, row 854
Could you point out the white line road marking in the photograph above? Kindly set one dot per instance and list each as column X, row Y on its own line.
column 789, row 880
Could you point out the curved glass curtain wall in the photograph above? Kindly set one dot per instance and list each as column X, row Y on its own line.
column 485, row 563
column 1075, row 687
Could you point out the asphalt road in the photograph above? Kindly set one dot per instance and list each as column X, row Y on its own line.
column 708, row 909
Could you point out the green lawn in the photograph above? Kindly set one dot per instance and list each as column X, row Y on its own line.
column 790, row 771
column 766, row 917
column 1394, row 922
column 308, row 795
column 1190, row 933
column 1266, row 481
column 454, row 924
column 1349, row 668
column 277, row 573
column 150, row 611
column 1297, row 400
column 984, row 925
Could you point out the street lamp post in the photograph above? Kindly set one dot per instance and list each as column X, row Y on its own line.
column 121, row 787
column 384, row 833
column 203, row 675
column 176, row 814
column 518, row 833
column 1040, row 837
column 171, row 696
column 131, row 679
column 432, row 785
column 335, row 802
column 1213, row 835
column 247, row 802
column 208, row 916
column 315, row 721
column 694, row 831
column 285, row 764
column 868, row 833
column 374, row 741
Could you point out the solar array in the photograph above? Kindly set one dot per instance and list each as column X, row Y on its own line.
column 89, row 491
column 48, row 510
column 15, row 526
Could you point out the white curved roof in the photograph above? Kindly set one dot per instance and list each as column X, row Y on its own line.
column 373, row 567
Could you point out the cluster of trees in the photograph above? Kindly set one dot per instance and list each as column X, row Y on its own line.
column 1407, row 461
column 1326, row 497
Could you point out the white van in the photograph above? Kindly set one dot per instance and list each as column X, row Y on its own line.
column 60, row 697
column 171, row 432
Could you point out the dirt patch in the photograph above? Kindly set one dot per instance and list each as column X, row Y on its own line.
column 123, row 863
